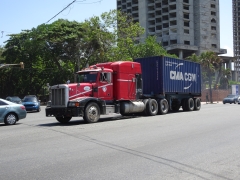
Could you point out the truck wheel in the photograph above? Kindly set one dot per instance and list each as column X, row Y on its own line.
column 63, row 119
column 92, row 113
column 197, row 104
column 162, row 106
column 189, row 104
column 151, row 107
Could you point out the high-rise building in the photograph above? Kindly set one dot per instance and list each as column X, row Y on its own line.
column 236, row 34
column 182, row 26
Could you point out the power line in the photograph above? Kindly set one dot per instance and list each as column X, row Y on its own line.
column 61, row 11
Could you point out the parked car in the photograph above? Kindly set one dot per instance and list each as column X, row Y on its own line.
column 14, row 99
column 11, row 112
column 231, row 98
column 31, row 103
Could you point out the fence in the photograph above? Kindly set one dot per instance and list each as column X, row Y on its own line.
column 217, row 94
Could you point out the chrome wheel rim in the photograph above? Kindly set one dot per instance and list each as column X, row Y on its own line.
column 93, row 113
column 11, row 119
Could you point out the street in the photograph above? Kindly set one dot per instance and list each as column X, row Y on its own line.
column 201, row 144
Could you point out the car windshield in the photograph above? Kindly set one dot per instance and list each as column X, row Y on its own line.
column 232, row 96
column 29, row 99
column 87, row 77
column 16, row 99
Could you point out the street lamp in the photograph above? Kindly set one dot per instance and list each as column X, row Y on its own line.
column 21, row 65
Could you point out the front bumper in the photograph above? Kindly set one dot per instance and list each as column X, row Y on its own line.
column 66, row 111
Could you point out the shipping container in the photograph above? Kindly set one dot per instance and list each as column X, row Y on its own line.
column 165, row 75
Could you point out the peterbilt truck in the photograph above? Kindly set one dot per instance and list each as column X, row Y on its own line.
column 147, row 86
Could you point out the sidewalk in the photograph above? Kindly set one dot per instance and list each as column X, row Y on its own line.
column 214, row 102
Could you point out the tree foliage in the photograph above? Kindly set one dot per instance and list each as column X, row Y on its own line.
column 210, row 63
column 53, row 52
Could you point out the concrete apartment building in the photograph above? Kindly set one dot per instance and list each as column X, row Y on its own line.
column 236, row 35
column 182, row 26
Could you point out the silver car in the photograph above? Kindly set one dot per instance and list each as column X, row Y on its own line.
column 11, row 112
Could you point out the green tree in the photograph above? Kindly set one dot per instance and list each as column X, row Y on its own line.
column 150, row 47
column 224, row 82
column 210, row 63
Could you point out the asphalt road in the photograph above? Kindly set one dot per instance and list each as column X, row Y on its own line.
column 195, row 145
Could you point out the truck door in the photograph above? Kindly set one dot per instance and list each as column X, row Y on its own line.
column 105, row 86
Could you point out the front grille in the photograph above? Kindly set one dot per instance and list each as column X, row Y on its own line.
column 58, row 97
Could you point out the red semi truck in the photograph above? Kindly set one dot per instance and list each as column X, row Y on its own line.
column 147, row 86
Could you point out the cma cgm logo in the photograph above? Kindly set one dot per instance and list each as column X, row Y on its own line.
column 176, row 75
column 181, row 76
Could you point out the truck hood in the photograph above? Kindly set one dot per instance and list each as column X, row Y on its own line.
column 77, row 91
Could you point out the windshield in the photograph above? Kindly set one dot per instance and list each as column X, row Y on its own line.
column 29, row 99
column 16, row 99
column 232, row 96
column 87, row 77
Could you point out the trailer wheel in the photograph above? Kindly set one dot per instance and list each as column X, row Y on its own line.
column 197, row 104
column 189, row 104
column 92, row 113
column 152, row 107
column 163, row 106
column 63, row 119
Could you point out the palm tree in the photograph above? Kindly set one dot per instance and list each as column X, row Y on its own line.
column 226, row 74
column 210, row 64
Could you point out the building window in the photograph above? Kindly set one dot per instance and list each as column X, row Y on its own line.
column 186, row 31
column 165, row 43
column 173, row 41
column 213, row 28
column 186, row 23
column 213, row 20
column 214, row 46
column 185, row 15
column 213, row 35
column 187, row 42
column 186, row 7
column 213, row 13
column 213, row 6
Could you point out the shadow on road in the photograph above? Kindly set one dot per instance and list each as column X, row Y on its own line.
column 81, row 121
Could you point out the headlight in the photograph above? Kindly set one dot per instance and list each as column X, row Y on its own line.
column 73, row 104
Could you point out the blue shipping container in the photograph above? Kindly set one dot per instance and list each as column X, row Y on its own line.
column 165, row 75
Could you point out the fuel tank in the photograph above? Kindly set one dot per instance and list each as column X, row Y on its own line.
column 132, row 107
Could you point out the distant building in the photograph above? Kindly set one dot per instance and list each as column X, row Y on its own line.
column 236, row 35
column 182, row 26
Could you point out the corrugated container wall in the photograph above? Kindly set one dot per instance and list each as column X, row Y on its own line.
column 165, row 75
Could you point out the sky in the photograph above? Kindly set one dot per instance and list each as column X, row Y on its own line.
column 19, row 15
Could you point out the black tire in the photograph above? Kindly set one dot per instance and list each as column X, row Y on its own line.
column 39, row 109
column 190, row 104
column 151, row 107
column 63, row 119
column 10, row 119
column 197, row 104
column 92, row 113
column 163, row 106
